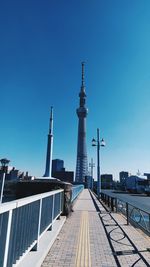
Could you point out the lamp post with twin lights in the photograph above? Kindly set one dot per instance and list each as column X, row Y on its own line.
column 98, row 143
column 4, row 167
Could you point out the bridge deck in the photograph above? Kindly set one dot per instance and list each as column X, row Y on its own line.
column 92, row 237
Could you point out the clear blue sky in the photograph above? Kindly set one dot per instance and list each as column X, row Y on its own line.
column 42, row 44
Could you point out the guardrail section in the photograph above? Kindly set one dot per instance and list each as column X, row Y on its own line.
column 23, row 222
column 134, row 215
column 76, row 190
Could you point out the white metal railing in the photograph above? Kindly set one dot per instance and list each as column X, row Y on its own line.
column 24, row 221
column 76, row 190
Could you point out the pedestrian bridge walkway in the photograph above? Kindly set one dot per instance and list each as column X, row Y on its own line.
column 92, row 237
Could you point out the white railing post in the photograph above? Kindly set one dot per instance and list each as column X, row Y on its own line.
column 50, row 228
column 60, row 202
column 35, row 248
column 7, row 239
column 11, row 207
column 59, row 207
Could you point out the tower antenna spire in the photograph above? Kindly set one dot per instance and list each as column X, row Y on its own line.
column 83, row 82
column 51, row 122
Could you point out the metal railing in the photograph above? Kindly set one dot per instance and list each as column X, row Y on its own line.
column 135, row 215
column 24, row 221
column 76, row 190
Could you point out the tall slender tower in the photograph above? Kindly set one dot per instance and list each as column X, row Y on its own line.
column 82, row 163
column 48, row 167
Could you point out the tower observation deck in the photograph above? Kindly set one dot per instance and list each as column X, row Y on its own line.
column 82, row 111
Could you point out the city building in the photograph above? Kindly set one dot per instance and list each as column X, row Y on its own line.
column 135, row 184
column 122, row 176
column 107, row 181
column 59, row 172
column 11, row 174
column 28, row 177
column 57, row 165
column 65, row 176
column 82, row 162
column 147, row 175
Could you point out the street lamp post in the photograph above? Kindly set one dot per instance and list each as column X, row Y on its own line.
column 92, row 165
column 4, row 163
column 98, row 144
column 2, row 188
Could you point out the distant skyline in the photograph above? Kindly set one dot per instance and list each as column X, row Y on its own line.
column 41, row 49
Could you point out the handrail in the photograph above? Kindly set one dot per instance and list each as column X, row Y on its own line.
column 132, row 205
column 76, row 190
column 23, row 222
column 129, row 210
column 6, row 206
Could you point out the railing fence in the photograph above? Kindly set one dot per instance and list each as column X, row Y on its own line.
column 134, row 215
column 76, row 190
column 23, row 222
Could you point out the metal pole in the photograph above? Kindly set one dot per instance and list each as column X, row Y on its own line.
column 92, row 165
column 127, row 213
column 98, row 165
column 2, row 188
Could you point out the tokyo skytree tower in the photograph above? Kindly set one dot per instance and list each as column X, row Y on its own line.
column 82, row 163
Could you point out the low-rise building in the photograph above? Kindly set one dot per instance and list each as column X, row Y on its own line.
column 122, row 178
column 57, row 165
column 11, row 174
column 106, row 181
column 65, row 176
column 135, row 184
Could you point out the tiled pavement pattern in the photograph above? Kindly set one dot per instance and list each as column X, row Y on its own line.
column 65, row 250
column 129, row 245
column 139, row 239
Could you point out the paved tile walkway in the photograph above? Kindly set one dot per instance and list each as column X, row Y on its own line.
column 92, row 239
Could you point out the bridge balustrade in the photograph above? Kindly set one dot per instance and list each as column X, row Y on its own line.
column 24, row 221
column 76, row 190
column 134, row 215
